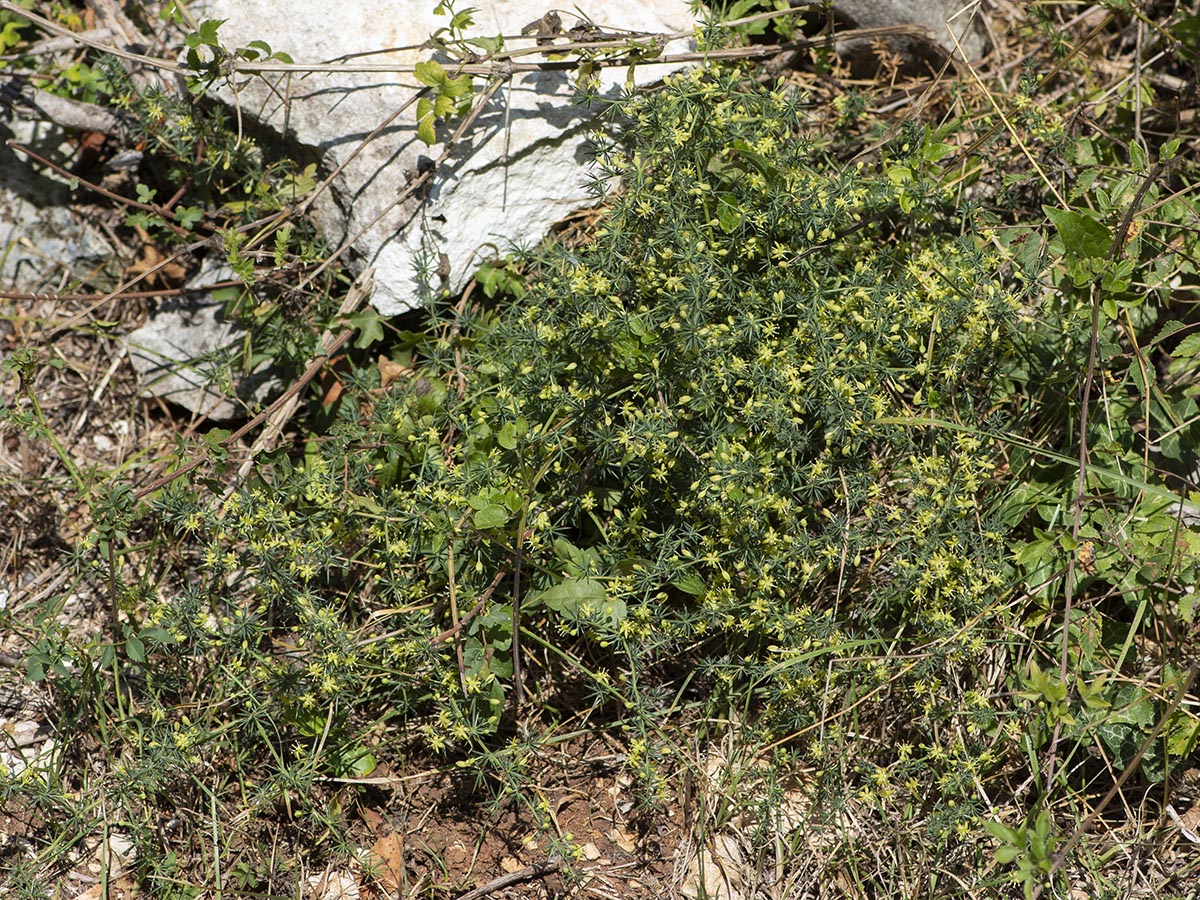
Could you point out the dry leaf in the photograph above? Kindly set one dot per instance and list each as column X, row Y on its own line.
column 124, row 888
column 373, row 819
column 390, row 370
column 386, row 862
column 147, row 264
column 510, row 865
column 623, row 838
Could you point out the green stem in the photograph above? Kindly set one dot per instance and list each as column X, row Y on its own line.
column 59, row 449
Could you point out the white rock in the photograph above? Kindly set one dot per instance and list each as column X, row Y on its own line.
column 520, row 168
column 953, row 24
column 333, row 886
column 175, row 354
column 523, row 164
column 42, row 242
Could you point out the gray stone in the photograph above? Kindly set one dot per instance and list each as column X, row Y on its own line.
column 952, row 28
column 520, row 168
column 44, row 245
column 179, row 355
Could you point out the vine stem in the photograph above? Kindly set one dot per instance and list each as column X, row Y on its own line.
column 1115, row 248
column 539, row 870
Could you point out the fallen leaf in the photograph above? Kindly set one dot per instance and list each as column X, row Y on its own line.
column 152, row 265
column 386, row 862
column 124, row 888
column 373, row 819
column 390, row 370
column 623, row 838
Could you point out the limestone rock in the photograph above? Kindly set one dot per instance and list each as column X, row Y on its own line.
column 952, row 27
column 178, row 355
column 44, row 243
column 520, row 168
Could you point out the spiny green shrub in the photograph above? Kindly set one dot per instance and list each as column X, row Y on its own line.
column 730, row 450
column 789, row 444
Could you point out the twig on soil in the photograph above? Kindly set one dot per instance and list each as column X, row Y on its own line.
column 540, row 870
column 30, row 102
column 310, row 373
column 167, row 216
column 105, row 296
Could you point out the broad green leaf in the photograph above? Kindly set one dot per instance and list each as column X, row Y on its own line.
column 507, row 438
column 353, row 761
column 614, row 610
column 1001, row 832
column 568, row 596
column 729, row 216
column 1182, row 732
column 1007, row 853
column 369, row 326
column 1168, row 329
column 1137, row 157
column 158, row 635
column 491, row 516
column 488, row 45
column 363, row 764
column 206, row 35
column 430, row 73
column 689, row 583
column 1188, row 347
column 1081, row 233
column 457, row 88
column 425, row 121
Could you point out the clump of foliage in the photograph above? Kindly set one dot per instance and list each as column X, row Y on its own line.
column 727, row 452
column 789, row 444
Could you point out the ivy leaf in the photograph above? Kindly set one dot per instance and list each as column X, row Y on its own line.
column 369, row 326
